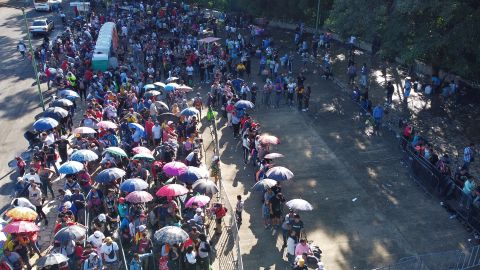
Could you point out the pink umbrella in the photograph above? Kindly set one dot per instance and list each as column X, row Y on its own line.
column 201, row 200
column 175, row 168
column 268, row 139
column 139, row 197
column 21, row 227
column 172, row 190
column 141, row 150
column 107, row 125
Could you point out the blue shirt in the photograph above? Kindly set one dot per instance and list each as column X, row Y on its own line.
column 378, row 112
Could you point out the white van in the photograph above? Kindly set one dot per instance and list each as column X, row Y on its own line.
column 45, row 5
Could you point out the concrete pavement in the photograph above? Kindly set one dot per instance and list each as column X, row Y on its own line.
column 335, row 161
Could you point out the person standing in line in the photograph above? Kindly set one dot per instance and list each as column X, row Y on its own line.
column 390, row 90
column 300, row 90
column 36, row 197
column 239, row 209
column 306, row 98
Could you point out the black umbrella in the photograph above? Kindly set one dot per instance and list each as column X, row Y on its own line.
column 165, row 117
column 63, row 102
column 205, row 186
column 57, row 113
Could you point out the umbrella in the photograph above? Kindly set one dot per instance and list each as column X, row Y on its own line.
column 136, row 126
column 279, row 173
column 262, row 185
column 268, row 139
column 165, row 117
column 84, row 155
column 45, row 123
column 172, row 190
column 139, row 196
column 244, row 104
column 149, row 86
column 21, row 227
column 22, row 213
column 171, row 79
column 171, row 235
column 51, row 259
column 63, row 102
column 145, row 156
column 205, row 186
column 174, row 168
column 117, row 151
column 57, row 113
column 152, row 93
column 184, row 88
column 273, row 156
column 84, row 130
column 72, row 232
column 189, row 112
column 23, row 202
column 68, row 93
column 193, row 174
column 159, row 84
column 141, row 149
column 161, row 105
column 299, row 205
column 109, row 175
column 133, row 184
column 201, row 200
column 107, row 125
column 71, row 167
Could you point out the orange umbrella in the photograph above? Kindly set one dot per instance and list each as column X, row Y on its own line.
column 22, row 213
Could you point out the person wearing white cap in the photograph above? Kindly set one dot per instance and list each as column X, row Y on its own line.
column 96, row 239
column 109, row 251
column 92, row 262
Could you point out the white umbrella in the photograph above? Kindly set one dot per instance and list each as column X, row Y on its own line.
column 299, row 205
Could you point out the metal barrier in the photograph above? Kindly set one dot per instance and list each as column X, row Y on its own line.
column 227, row 246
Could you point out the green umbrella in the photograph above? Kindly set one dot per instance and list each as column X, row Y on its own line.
column 146, row 156
column 116, row 151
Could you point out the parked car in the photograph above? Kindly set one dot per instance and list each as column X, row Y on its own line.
column 42, row 26
column 46, row 5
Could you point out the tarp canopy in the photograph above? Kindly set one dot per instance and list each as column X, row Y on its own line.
column 208, row 40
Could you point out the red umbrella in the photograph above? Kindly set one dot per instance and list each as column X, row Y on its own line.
column 172, row 190
column 141, row 150
column 21, row 227
column 139, row 197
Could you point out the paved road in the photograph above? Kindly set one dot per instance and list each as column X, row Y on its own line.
column 18, row 95
column 335, row 162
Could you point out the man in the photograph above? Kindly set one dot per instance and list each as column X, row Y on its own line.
column 13, row 258
column 276, row 209
column 109, row 251
column 468, row 155
column 32, row 176
column 36, row 197
column 300, row 90
column 198, row 104
column 239, row 209
column 302, row 248
column 22, row 48
column 203, row 253
column 377, row 116
column 156, row 133
column 297, row 225
column 363, row 75
column 390, row 90
column 92, row 262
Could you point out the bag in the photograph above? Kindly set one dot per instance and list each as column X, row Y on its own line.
column 111, row 254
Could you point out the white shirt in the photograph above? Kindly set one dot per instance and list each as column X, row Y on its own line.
column 105, row 250
column 96, row 242
column 157, row 131
column 189, row 70
column 33, row 177
column 191, row 257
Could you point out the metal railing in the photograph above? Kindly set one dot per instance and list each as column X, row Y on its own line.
column 228, row 253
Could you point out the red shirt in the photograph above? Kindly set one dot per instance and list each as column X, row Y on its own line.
column 148, row 127
column 88, row 75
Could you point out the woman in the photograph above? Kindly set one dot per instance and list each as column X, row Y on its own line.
column 173, row 258
column 190, row 259
column 45, row 175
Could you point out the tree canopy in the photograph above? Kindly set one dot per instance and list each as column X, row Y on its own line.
column 443, row 33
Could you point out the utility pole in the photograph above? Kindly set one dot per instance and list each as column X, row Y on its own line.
column 318, row 17
column 34, row 61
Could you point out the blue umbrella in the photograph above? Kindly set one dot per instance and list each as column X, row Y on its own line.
column 136, row 126
column 133, row 184
column 67, row 93
column 109, row 175
column 193, row 174
column 189, row 112
column 71, row 167
column 279, row 173
column 169, row 88
column 244, row 104
column 45, row 123
column 84, row 155
column 149, row 87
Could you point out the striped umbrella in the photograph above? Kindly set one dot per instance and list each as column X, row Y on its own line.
column 171, row 235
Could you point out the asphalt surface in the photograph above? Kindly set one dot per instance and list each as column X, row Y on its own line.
column 19, row 100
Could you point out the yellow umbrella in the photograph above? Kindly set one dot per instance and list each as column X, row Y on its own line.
column 22, row 213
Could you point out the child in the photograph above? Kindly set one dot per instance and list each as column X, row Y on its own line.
column 266, row 214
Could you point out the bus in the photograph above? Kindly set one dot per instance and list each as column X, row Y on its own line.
column 46, row 5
